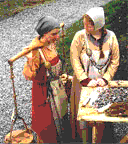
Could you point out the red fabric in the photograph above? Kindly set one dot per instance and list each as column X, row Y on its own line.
column 42, row 117
column 85, row 82
column 54, row 61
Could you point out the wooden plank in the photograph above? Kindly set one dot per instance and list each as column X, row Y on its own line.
column 94, row 131
column 118, row 83
column 101, row 118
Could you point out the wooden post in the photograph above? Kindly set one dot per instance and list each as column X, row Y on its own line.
column 94, row 131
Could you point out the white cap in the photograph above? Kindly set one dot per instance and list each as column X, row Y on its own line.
column 97, row 15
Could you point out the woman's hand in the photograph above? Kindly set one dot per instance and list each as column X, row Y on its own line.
column 92, row 83
column 101, row 82
column 64, row 78
column 33, row 75
column 33, row 67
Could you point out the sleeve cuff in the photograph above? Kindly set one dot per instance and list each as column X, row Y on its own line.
column 85, row 81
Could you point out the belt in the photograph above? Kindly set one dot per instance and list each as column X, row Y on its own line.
column 44, row 104
column 44, row 82
column 53, row 78
column 40, row 83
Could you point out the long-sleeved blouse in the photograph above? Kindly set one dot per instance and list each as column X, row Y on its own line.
column 83, row 68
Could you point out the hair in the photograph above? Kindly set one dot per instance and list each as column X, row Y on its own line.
column 103, row 34
column 87, row 16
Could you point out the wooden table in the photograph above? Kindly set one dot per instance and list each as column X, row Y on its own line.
column 102, row 117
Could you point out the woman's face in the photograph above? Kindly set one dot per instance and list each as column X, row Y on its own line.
column 52, row 36
column 88, row 24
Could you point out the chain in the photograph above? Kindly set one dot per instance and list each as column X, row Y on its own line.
column 16, row 111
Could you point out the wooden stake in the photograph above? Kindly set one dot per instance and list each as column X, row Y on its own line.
column 94, row 131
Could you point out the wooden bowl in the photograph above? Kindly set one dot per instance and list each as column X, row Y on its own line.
column 19, row 136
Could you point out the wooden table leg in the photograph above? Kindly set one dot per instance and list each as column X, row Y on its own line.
column 94, row 131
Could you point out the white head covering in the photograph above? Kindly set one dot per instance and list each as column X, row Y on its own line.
column 97, row 15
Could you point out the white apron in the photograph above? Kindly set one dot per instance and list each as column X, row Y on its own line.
column 88, row 93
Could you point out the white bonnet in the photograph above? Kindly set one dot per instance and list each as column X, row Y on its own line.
column 97, row 15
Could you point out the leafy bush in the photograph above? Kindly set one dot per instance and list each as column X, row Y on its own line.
column 12, row 7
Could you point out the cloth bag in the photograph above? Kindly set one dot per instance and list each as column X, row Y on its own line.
column 59, row 98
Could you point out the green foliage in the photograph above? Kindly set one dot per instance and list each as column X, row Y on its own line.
column 69, row 34
column 11, row 7
column 116, row 16
column 116, row 20
column 7, row 7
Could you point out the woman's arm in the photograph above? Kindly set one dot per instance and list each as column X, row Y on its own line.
column 32, row 63
column 33, row 56
column 76, row 47
column 112, row 68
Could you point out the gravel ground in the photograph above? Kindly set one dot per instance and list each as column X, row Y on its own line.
column 17, row 32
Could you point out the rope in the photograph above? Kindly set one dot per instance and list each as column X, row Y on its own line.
column 16, row 111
